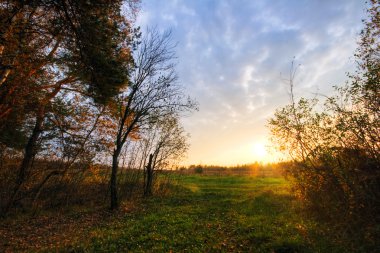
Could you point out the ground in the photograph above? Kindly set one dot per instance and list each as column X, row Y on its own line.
column 201, row 214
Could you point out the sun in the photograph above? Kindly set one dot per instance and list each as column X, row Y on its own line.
column 259, row 150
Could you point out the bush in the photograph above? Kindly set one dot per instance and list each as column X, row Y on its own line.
column 198, row 170
column 335, row 148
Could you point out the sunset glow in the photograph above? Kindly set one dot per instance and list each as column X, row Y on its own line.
column 259, row 150
column 190, row 126
column 234, row 57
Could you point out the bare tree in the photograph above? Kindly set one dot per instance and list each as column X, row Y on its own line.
column 166, row 144
column 153, row 94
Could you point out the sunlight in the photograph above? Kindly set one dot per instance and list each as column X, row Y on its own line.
column 259, row 150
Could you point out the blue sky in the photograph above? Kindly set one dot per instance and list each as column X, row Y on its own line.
column 234, row 55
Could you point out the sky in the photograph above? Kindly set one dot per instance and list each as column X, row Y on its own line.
column 234, row 57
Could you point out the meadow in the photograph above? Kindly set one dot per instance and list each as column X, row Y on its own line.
column 199, row 214
column 92, row 130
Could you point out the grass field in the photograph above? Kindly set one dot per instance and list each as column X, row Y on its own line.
column 198, row 214
column 209, row 214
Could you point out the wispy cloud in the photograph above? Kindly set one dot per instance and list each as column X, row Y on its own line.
column 231, row 56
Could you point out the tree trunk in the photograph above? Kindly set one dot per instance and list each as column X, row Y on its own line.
column 113, row 183
column 30, row 152
column 149, row 177
column 41, row 185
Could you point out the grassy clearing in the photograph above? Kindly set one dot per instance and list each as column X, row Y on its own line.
column 209, row 214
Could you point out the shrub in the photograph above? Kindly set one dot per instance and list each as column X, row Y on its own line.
column 198, row 170
column 335, row 148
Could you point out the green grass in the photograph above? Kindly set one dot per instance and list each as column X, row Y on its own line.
column 209, row 214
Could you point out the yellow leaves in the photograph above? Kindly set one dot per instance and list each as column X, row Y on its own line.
column 125, row 54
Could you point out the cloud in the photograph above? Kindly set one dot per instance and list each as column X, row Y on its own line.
column 232, row 53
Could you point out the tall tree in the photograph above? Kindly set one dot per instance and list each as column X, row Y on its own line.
column 48, row 46
column 153, row 93
column 81, row 39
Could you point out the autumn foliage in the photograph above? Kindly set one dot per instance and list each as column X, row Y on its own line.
column 335, row 146
column 80, row 89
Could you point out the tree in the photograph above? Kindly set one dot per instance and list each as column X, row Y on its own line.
column 166, row 143
column 152, row 94
column 335, row 146
column 52, row 39
column 49, row 46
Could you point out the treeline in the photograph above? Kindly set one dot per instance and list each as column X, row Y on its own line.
column 80, row 88
column 335, row 145
column 253, row 170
